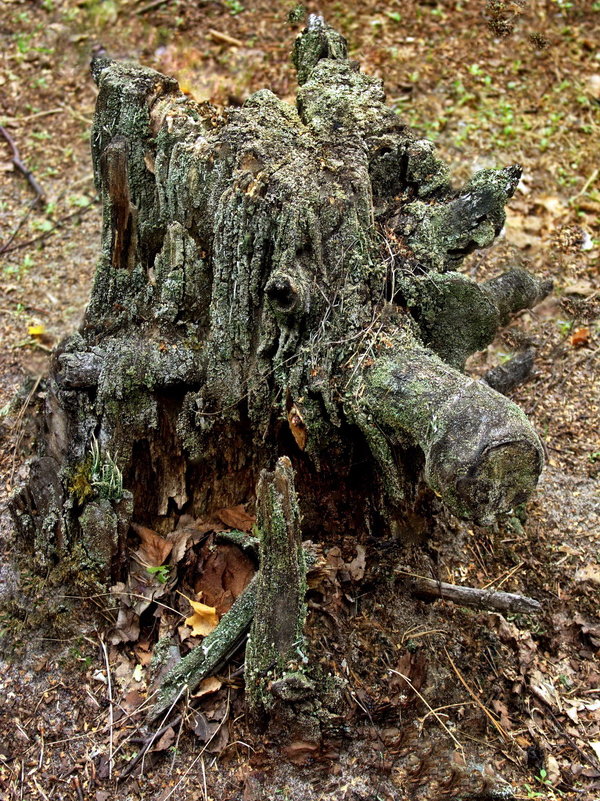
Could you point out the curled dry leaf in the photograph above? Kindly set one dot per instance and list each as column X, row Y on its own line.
column 356, row 568
column 154, row 549
column 208, row 686
column 166, row 741
column 203, row 621
column 297, row 426
column 299, row 752
column 236, row 517
column 224, row 575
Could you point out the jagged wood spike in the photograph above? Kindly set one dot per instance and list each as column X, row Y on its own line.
column 275, row 641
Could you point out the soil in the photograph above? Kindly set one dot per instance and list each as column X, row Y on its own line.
column 441, row 698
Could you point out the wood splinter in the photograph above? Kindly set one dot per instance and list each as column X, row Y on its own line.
column 479, row 599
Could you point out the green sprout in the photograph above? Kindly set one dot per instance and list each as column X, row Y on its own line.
column 160, row 573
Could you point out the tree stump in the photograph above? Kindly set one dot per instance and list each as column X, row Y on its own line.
column 276, row 279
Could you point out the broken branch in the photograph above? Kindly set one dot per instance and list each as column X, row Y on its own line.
column 213, row 653
column 17, row 161
column 480, row 599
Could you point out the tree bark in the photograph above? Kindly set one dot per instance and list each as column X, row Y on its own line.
column 276, row 639
column 276, row 279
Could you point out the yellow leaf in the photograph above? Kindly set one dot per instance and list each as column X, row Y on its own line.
column 203, row 621
column 35, row 330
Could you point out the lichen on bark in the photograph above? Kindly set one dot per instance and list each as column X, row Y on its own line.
column 275, row 650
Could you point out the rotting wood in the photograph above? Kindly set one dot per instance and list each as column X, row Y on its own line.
column 509, row 375
column 278, row 278
column 229, row 291
column 480, row 599
column 276, row 635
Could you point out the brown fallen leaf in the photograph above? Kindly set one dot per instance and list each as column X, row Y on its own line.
column 501, row 711
column 356, row 568
column 299, row 752
column 208, row 686
column 166, row 741
column 127, row 627
column 590, row 573
column 143, row 652
column 154, row 549
column 236, row 517
column 224, row 574
column 580, row 337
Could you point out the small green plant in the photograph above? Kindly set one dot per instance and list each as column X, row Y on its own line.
column 550, row 792
column 297, row 14
column 105, row 477
column 234, row 6
column 161, row 573
column 564, row 326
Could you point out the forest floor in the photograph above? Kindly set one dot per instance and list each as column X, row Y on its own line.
column 493, row 84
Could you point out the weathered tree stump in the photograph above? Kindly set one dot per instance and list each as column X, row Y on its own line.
column 276, row 279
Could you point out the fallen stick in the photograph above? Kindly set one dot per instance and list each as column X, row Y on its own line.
column 19, row 165
column 214, row 651
column 509, row 375
column 151, row 6
column 224, row 38
column 480, row 599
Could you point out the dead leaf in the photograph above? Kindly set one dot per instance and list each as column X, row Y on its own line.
column 198, row 723
column 143, row 653
column 501, row 710
column 203, row 621
column 154, row 548
column 133, row 699
column 166, row 741
column 297, row 426
column 587, row 627
column 583, row 288
column 236, row 517
column 544, row 690
column 224, row 575
column 299, row 752
column 413, row 666
column 208, row 686
column 589, row 573
column 218, row 738
column 552, row 203
column 127, row 627
column 356, row 568
column 580, row 337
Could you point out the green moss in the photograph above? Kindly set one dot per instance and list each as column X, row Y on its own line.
column 80, row 483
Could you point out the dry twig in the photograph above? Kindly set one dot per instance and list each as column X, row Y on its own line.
column 18, row 162
column 499, row 728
